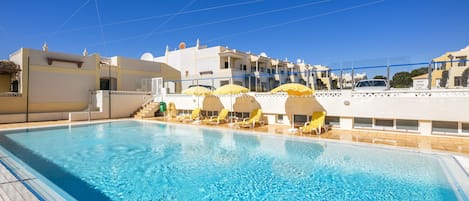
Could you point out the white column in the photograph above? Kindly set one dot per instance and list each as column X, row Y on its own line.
column 346, row 122
column 425, row 127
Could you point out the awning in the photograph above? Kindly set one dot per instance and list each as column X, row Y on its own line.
column 9, row 67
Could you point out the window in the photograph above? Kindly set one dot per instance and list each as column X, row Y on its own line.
column 457, row 81
column 363, row 122
column 334, row 121
column 224, row 82
column 244, row 67
column 279, row 117
column 226, row 64
column 300, row 119
column 465, row 127
column 407, row 125
column 443, row 66
column 445, row 126
column 384, row 123
column 323, row 73
column 104, row 84
column 462, row 60
column 14, row 86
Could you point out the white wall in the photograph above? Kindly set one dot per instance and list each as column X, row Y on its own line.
column 420, row 83
column 424, row 106
column 123, row 104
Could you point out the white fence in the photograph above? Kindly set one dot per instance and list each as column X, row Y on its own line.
column 423, row 106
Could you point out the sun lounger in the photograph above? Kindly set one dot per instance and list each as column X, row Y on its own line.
column 221, row 118
column 253, row 120
column 195, row 115
column 316, row 124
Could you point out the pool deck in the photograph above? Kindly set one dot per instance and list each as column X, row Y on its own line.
column 12, row 189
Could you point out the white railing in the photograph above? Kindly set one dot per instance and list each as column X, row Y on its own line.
column 130, row 92
column 10, row 94
column 396, row 93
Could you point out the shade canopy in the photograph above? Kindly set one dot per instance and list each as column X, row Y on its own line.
column 197, row 91
column 230, row 89
column 293, row 89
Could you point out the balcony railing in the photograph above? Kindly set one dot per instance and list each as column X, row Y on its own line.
column 10, row 94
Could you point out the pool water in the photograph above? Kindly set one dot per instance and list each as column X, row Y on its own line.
column 134, row 160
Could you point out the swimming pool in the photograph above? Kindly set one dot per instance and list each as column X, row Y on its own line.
column 136, row 160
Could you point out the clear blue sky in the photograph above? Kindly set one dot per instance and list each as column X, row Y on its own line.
column 363, row 32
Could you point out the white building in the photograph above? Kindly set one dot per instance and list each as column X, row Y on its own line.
column 217, row 66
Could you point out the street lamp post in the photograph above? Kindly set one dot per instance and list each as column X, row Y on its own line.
column 450, row 56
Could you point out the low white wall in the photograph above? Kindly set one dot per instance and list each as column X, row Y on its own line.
column 436, row 105
column 422, row 105
column 83, row 116
column 123, row 104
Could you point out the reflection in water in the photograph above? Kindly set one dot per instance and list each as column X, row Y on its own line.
column 212, row 138
column 274, row 147
column 303, row 150
column 299, row 159
column 246, row 143
column 220, row 147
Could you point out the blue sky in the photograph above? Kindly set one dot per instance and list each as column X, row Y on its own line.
column 329, row 32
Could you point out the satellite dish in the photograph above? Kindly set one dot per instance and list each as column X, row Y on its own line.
column 182, row 45
column 263, row 54
column 147, row 56
column 298, row 61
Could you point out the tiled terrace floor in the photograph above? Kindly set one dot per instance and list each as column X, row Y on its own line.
column 449, row 144
column 455, row 144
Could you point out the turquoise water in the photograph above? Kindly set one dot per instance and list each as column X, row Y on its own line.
column 132, row 160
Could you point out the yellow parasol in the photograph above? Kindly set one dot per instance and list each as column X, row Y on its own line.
column 230, row 89
column 293, row 89
column 197, row 91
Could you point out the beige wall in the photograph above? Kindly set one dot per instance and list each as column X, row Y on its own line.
column 455, row 71
column 132, row 72
column 65, row 87
column 5, row 82
column 62, row 86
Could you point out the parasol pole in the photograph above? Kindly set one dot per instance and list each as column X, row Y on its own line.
column 231, row 103
column 292, row 129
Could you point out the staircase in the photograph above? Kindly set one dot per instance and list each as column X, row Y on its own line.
column 147, row 110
